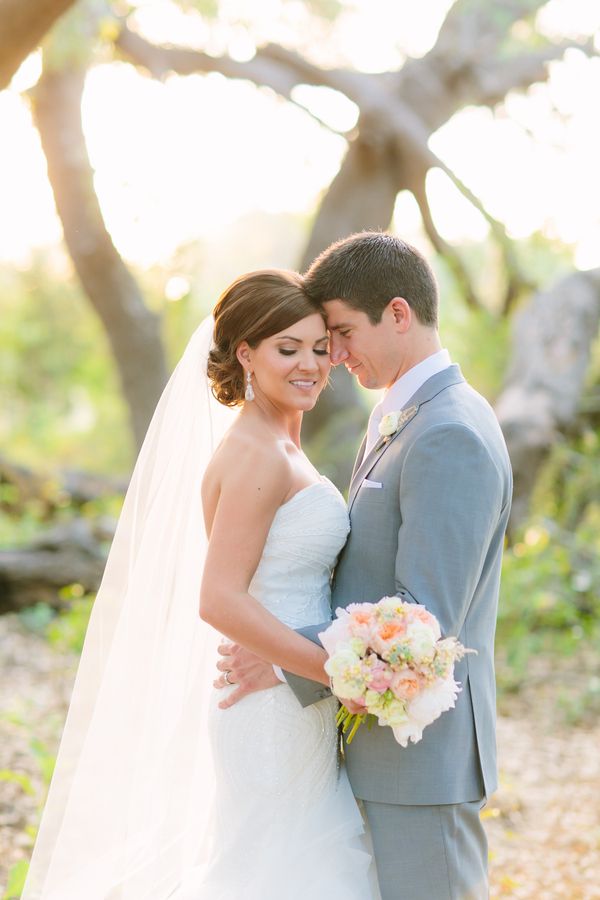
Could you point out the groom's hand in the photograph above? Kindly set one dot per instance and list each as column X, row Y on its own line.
column 247, row 671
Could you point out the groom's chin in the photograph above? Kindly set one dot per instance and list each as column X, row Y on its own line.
column 366, row 381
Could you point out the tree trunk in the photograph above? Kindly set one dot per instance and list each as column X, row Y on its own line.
column 399, row 111
column 24, row 24
column 74, row 553
column 361, row 197
column 132, row 329
column 51, row 491
column 551, row 346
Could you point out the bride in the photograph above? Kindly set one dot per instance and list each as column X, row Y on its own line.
column 226, row 530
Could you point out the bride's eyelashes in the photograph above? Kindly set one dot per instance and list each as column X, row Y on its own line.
column 285, row 352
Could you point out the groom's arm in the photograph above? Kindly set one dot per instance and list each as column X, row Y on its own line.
column 308, row 692
column 249, row 673
column 451, row 500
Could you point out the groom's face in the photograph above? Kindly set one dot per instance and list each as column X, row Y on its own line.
column 370, row 352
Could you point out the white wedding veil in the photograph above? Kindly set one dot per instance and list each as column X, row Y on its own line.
column 127, row 806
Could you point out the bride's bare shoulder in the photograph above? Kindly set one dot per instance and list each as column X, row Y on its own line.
column 248, row 461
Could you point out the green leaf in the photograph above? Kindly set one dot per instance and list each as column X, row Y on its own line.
column 17, row 778
column 16, row 880
column 45, row 760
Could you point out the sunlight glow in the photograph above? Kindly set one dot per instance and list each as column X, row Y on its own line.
column 181, row 160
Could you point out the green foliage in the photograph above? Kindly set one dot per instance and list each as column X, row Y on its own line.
column 480, row 338
column 550, row 596
column 325, row 9
column 19, row 530
column 19, row 778
column 37, row 617
column 64, row 628
column 63, row 401
column 568, row 489
column 66, row 631
column 16, row 880
column 477, row 338
column 544, row 259
column 550, row 590
column 479, row 342
column 45, row 760
column 208, row 8
column 69, row 41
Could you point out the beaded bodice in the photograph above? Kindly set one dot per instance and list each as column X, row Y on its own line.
column 293, row 577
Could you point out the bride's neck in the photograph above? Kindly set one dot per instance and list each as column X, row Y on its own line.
column 284, row 425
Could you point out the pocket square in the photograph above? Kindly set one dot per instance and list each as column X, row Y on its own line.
column 371, row 484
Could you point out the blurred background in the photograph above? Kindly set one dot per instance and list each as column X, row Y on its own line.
column 152, row 151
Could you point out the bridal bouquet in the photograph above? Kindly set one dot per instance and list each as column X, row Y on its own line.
column 389, row 658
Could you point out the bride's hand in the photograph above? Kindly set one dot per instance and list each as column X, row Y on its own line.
column 248, row 672
column 353, row 707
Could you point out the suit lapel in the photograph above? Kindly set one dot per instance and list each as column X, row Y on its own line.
column 359, row 459
column 430, row 389
column 376, row 452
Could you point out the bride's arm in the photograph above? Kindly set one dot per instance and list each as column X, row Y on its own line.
column 251, row 493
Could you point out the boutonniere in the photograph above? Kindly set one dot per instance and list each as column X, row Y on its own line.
column 392, row 422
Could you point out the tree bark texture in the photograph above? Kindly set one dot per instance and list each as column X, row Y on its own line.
column 552, row 340
column 132, row 329
column 74, row 553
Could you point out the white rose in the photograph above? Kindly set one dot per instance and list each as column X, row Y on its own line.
column 338, row 633
column 407, row 731
column 389, row 424
column 343, row 663
column 427, row 706
column 421, row 639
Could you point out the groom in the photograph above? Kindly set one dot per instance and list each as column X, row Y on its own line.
column 429, row 507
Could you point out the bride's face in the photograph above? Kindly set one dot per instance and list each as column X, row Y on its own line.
column 290, row 369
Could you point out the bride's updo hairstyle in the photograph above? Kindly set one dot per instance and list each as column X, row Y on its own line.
column 256, row 306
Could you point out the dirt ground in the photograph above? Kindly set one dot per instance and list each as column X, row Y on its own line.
column 543, row 823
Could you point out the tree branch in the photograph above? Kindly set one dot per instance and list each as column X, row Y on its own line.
column 452, row 257
column 477, row 27
column 519, row 72
column 131, row 328
column 24, row 24
column 272, row 66
column 517, row 280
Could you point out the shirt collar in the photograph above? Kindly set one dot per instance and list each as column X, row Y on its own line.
column 400, row 392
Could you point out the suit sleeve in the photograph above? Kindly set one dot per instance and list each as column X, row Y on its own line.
column 450, row 502
column 308, row 692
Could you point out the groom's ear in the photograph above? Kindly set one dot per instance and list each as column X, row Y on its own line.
column 401, row 314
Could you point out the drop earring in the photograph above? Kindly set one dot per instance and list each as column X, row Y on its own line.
column 249, row 392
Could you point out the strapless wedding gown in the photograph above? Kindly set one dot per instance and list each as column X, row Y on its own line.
column 285, row 824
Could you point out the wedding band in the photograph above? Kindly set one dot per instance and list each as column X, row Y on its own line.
column 226, row 676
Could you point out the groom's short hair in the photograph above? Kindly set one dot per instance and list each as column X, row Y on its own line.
column 368, row 269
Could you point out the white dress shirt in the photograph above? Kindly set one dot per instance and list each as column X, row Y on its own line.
column 399, row 393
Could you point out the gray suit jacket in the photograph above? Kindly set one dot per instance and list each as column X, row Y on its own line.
column 433, row 533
